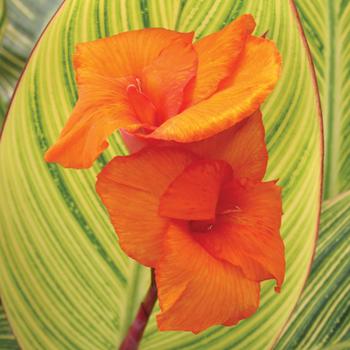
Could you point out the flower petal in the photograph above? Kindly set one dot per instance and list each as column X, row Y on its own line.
column 254, row 78
column 246, row 233
column 104, row 70
column 125, row 54
column 217, row 55
column 196, row 290
column 143, row 107
column 164, row 80
column 102, row 108
column 130, row 188
column 242, row 146
column 193, row 195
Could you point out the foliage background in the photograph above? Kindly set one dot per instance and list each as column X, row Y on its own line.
column 322, row 317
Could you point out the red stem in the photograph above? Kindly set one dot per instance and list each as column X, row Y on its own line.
column 135, row 332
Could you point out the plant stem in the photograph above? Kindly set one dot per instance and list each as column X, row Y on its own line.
column 135, row 332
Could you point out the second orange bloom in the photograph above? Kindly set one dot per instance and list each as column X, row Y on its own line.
column 202, row 217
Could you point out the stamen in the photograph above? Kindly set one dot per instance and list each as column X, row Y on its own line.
column 201, row 226
column 235, row 209
column 138, row 82
column 143, row 107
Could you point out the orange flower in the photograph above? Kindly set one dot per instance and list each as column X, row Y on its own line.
column 156, row 84
column 202, row 217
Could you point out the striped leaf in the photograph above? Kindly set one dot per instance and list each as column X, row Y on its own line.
column 327, row 28
column 25, row 20
column 2, row 18
column 3, row 107
column 3, row 24
column 12, row 61
column 322, row 316
column 340, row 346
column 65, row 282
column 7, row 339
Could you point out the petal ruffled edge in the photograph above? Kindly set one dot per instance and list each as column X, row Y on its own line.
column 101, row 109
column 124, row 54
column 242, row 146
column 247, row 230
column 197, row 291
column 130, row 188
column 217, row 56
column 238, row 97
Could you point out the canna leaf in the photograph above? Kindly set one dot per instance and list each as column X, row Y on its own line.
column 65, row 282
column 322, row 319
column 2, row 18
column 12, row 61
column 327, row 30
column 25, row 20
column 7, row 339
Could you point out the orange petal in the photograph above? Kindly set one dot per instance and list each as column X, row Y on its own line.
column 246, row 232
column 132, row 142
column 217, row 55
column 130, row 188
column 164, row 80
column 196, row 290
column 102, row 108
column 254, row 78
column 125, row 54
column 242, row 146
column 143, row 107
column 104, row 69
column 194, row 193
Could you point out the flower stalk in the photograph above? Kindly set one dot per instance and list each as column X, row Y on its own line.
column 137, row 328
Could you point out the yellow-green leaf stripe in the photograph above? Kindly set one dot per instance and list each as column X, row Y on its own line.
column 327, row 27
column 322, row 317
column 2, row 18
column 7, row 339
column 20, row 26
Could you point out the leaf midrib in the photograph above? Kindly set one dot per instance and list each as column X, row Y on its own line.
column 332, row 111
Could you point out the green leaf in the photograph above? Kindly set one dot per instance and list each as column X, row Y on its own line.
column 322, row 317
column 2, row 110
column 31, row 16
column 7, row 339
column 65, row 282
column 2, row 18
column 25, row 21
column 340, row 346
column 327, row 28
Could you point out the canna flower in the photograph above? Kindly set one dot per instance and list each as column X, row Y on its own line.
column 158, row 85
column 202, row 217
